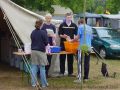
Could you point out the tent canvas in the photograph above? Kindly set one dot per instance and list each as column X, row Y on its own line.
column 21, row 19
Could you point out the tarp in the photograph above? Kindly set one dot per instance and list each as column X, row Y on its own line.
column 21, row 19
column 93, row 15
column 111, row 16
column 89, row 15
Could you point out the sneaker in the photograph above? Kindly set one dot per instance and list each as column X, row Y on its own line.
column 44, row 86
column 85, row 80
column 34, row 85
column 47, row 84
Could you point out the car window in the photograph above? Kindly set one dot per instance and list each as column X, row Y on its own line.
column 108, row 33
column 103, row 33
column 114, row 33
column 94, row 32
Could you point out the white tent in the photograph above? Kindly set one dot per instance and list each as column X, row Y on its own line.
column 21, row 19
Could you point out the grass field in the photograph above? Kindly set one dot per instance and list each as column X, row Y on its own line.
column 97, row 81
column 10, row 78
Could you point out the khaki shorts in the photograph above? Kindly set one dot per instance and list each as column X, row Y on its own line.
column 38, row 58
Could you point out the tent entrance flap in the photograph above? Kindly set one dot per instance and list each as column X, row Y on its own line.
column 6, row 41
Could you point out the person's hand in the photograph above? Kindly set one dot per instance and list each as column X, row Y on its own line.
column 74, row 40
column 49, row 54
column 65, row 36
column 54, row 43
column 68, row 38
column 53, row 36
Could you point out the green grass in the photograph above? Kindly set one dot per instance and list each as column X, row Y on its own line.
column 96, row 82
column 10, row 78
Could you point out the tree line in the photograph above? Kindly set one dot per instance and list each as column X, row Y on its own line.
column 93, row 6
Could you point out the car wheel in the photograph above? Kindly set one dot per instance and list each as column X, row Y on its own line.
column 103, row 52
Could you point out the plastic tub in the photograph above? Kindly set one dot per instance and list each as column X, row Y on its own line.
column 55, row 49
column 71, row 46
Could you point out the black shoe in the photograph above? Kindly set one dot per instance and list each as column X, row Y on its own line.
column 61, row 75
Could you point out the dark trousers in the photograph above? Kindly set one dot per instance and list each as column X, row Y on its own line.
column 86, row 66
column 70, row 63
column 48, row 66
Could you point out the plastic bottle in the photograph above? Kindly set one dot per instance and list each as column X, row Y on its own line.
column 48, row 49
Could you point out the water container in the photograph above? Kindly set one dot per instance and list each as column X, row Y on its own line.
column 27, row 48
column 48, row 49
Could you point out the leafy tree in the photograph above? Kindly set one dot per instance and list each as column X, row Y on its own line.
column 113, row 5
column 90, row 5
column 19, row 2
column 99, row 10
column 76, row 6
column 42, row 5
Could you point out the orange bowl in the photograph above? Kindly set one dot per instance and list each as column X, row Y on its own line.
column 71, row 46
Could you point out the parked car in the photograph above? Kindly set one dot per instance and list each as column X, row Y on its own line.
column 106, row 41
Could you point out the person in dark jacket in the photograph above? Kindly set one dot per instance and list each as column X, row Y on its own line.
column 51, row 38
column 39, row 41
column 67, row 29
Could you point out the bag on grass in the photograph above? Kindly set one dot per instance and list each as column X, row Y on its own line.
column 104, row 70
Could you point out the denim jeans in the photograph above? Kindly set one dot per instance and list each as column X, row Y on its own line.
column 34, row 69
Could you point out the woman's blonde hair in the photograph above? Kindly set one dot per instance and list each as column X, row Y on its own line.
column 48, row 15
